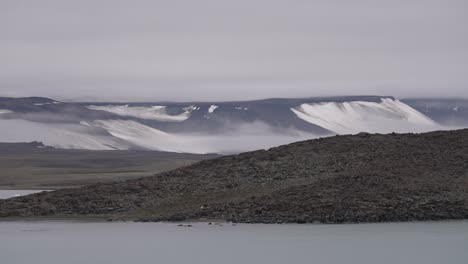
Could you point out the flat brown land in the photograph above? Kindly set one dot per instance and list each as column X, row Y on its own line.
column 24, row 166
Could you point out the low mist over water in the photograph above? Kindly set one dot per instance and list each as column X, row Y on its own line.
column 80, row 242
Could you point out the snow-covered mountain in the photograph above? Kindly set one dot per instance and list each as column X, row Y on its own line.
column 202, row 127
column 356, row 116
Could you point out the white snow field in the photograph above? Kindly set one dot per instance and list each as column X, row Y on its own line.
column 157, row 112
column 387, row 116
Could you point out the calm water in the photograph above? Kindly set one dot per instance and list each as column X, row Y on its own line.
column 80, row 242
column 5, row 194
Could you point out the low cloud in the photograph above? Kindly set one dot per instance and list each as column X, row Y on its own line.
column 232, row 50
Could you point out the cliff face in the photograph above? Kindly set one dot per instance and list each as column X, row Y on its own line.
column 361, row 178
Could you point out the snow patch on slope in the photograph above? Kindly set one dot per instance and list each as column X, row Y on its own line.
column 353, row 117
column 157, row 112
column 241, row 108
column 212, row 108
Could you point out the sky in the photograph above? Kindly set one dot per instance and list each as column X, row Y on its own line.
column 181, row 50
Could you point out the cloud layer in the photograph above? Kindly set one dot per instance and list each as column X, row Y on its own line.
column 231, row 50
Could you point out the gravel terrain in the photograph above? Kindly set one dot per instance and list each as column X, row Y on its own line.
column 358, row 178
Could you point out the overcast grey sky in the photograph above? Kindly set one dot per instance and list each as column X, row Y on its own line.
column 231, row 50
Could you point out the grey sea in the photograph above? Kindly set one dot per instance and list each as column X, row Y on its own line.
column 51, row 242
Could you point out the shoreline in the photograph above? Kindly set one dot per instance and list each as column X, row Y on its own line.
column 217, row 222
column 37, row 188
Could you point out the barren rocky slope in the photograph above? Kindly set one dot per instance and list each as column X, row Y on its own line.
column 360, row 178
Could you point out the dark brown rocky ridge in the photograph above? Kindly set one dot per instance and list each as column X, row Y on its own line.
column 360, row 178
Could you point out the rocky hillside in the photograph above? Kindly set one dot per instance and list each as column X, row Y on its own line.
column 360, row 178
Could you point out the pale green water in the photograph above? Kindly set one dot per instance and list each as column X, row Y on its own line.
column 80, row 242
column 5, row 194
